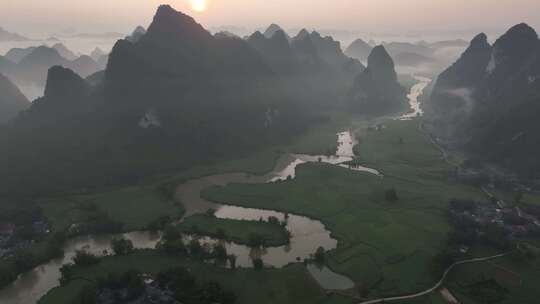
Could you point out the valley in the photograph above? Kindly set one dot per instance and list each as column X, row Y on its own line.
column 195, row 166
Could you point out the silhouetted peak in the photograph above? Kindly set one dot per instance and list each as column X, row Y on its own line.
column 256, row 36
column 139, row 29
column 43, row 55
column 519, row 38
column 360, row 42
column 272, row 29
column 64, row 51
column 379, row 57
column 170, row 25
column 302, row 34
column 44, row 51
column 63, row 82
column 479, row 40
column 136, row 35
column 523, row 30
column 164, row 10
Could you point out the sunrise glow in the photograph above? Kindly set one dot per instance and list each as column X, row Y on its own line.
column 199, row 5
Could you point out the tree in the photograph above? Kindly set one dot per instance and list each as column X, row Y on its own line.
column 66, row 273
column 256, row 240
column 122, row 246
column 232, row 261
column 83, row 258
column 195, row 248
column 176, row 247
column 211, row 212
column 219, row 252
column 258, row 264
column 273, row 220
column 171, row 233
column 320, row 255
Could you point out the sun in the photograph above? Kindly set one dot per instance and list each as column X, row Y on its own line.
column 198, row 5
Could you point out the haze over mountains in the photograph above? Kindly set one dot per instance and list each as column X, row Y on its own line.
column 489, row 100
column 176, row 91
column 28, row 66
column 8, row 36
column 12, row 101
column 169, row 89
column 376, row 90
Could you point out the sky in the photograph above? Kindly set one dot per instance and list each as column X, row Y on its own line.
column 44, row 17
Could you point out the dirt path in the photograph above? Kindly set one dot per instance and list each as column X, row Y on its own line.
column 437, row 285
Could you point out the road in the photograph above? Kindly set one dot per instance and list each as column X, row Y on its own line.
column 439, row 283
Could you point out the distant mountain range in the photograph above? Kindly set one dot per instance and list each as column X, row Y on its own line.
column 29, row 66
column 207, row 97
column 488, row 101
column 404, row 53
column 306, row 53
column 8, row 36
column 175, row 96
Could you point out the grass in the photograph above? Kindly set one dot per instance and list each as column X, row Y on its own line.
column 520, row 279
column 150, row 201
column 387, row 246
column 135, row 207
column 235, row 230
column 289, row 285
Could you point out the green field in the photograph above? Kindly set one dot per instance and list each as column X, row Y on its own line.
column 135, row 207
column 384, row 246
column 517, row 281
column 235, row 230
column 291, row 285
column 150, row 201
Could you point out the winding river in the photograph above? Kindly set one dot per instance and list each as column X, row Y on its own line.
column 306, row 234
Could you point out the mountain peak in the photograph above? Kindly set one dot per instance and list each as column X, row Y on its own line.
column 516, row 45
column 170, row 27
column 164, row 9
column 480, row 39
column 139, row 29
column 272, row 29
column 379, row 57
column 359, row 49
column 523, row 29
column 63, row 82
column 256, row 35
column 42, row 55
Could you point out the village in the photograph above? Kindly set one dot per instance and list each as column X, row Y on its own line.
column 19, row 231
column 496, row 222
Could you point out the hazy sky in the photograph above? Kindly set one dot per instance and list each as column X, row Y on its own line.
column 40, row 17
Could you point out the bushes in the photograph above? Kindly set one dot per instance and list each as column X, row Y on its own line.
column 122, row 246
column 83, row 258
